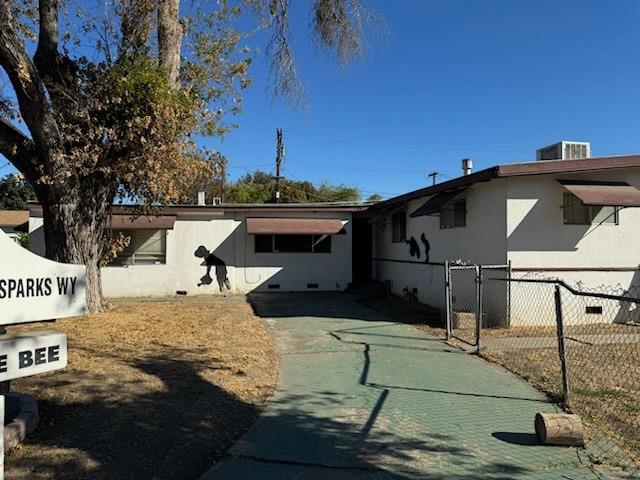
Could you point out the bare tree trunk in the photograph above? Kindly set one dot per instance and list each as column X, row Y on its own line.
column 170, row 39
column 74, row 225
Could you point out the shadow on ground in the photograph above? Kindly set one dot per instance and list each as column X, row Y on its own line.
column 119, row 438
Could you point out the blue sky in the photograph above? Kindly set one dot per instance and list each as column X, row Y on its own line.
column 491, row 80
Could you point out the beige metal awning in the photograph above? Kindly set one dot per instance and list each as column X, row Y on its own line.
column 124, row 222
column 293, row 226
column 435, row 203
column 605, row 194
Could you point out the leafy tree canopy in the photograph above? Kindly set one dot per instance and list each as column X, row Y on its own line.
column 259, row 187
column 15, row 191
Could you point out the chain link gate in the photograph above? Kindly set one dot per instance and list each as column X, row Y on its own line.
column 462, row 302
column 474, row 298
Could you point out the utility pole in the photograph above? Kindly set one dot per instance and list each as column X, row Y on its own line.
column 433, row 176
column 223, row 178
column 279, row 159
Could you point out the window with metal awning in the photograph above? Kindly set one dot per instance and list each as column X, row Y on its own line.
column 146, row 238
column 589, row 202
column 293, row 235
column 434, row 205
column 293, row 226
column 603, row 194
column 144, row 222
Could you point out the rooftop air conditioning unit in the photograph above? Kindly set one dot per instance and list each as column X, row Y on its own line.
column 564, row 151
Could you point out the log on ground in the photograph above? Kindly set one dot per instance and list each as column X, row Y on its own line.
column 559, row 429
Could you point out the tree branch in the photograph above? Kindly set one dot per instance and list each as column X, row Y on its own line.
column 170, row 39
column 56, row 71
column 48, row 34
column 30, row 91
column 17, row 147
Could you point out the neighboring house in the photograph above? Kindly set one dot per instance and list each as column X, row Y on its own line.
column 14, row 222
column 241, row 248
column 572, row 219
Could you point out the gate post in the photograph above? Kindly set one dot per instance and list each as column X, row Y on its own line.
column 478, row 305
column 509, row 293
column 561, row 345
column 447, row 299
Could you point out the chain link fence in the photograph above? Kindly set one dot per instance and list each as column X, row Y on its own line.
column 580, row 346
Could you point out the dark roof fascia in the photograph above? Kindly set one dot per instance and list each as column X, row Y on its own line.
column 220, row 209
column 568, row 166
column 603, row 183
column 454, row 184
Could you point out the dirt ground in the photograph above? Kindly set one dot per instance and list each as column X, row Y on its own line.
column 153, row 390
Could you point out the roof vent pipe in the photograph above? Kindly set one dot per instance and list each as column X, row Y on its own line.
column 467, row 165
column 201, row 199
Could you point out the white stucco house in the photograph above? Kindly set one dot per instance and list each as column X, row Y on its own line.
column 571, row 219
column 221, row 248
column 575, row 219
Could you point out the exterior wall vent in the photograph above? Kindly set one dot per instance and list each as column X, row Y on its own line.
column 593, row 310
column 312, row 285
column 564, row 151
column 273, row 286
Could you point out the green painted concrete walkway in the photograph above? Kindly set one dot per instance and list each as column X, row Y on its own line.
column 362, row 397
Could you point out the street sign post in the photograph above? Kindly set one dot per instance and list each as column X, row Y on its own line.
column 32, row 289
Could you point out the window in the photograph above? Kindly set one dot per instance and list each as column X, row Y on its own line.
column 399, row 227
column 264, row 243
column 454, row 214
column 293, row 243
column 146, row 247
column 577, row 213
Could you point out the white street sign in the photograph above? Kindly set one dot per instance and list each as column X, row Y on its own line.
column 33, row 288
column 23, row 354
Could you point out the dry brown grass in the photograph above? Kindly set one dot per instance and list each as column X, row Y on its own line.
column 154, row 389
column 551, row 331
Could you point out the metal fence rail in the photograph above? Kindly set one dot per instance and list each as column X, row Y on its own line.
column 580, row 346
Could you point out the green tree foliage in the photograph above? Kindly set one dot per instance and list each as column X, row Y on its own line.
column 23, row 240
column 15, row 191
column 338, row 193
column 374, row 198
column 259, row 187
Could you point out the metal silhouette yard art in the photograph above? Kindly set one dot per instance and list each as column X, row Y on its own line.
column 211, row 260
column 414, row 248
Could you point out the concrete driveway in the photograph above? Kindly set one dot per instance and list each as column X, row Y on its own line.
column 363, row 397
